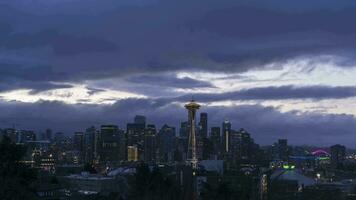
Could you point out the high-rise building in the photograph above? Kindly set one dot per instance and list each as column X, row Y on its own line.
column 78, row 141
column 166, row 136
column 150, row 144
column 110, row 140
column 338, row 155
column 59, row 137
column 192, row 160
column 135, row 134
column 283, row 149
column 90, row 142
column 139, row 119
column 241, row 144
column 215, row 138
column 26, row 136
column 48, row 135
column 12, row 134
column 203, row 125
column 132, row 153
column 78, row 144
column 184, row 129
column 226, row 134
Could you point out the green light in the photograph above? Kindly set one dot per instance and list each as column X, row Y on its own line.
column 288, row 167
column 323, row 158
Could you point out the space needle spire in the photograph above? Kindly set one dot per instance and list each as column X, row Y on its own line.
column 192, row 160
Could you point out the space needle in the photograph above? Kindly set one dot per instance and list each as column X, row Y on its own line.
column 192, row 160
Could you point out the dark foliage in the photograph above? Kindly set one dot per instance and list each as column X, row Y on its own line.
column 16, row 178
column 149, row 185
column 89, row 168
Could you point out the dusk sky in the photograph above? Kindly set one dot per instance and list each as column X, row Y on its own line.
column 280, row 69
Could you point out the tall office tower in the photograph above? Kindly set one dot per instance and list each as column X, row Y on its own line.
column 192, row 160
column 110, row 137
column 139, row 119
column 226, row 134
column 135, row 134
column 27, row 136
column 202, row 137
column 283, row 149
column 78, row 144
column 166, row 136
column 241, row 144
column 215, row 138
column 338, row 154
column 135, row 131
column 184, row 129
column 90, row 136
column 78, row 141
column 48, row 135
column 12, row 134
column 132, row 153
column 150, row 144
column 203, row 125
column 58, row 137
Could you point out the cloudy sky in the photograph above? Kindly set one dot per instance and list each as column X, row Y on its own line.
column 280, row 69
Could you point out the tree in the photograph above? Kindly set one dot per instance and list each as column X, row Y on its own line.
column 147, row 185
column 222, row 191
column 15, row 177
column 89, row 168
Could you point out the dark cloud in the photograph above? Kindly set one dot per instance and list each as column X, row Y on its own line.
column 279, row 93
column 169, row 80
column 35, row 86
column 45, row 44
column 36, row 78
column 29, row 72
column 97, row 39
column 266, row 124
column 257, row 22
column 62, row 44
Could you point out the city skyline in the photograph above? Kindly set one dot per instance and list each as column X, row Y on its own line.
column 279, row 69
column 177, row 100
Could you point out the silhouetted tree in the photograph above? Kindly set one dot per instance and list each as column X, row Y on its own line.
column 222, row 191
column 89, row 168
column 15, row 177
column 153, row 184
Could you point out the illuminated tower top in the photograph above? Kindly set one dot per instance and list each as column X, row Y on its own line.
column 192, row 105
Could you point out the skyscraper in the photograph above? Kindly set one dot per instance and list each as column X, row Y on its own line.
column 150, row 143
column 26, row 136
column 337, row 155
column 48, row 135
column 240, row 144
column 78, row 141
column 135, row 134
column 215, row 137
column 78, row 144
column 184, row 129
column 203, row 125
column 90, row 144
column 166, row 137
column 283, row 149
column 110, row 137
column 192, row 107
column 140, row 119
column 132, row 153
column 226, row 134
column 12, row 134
